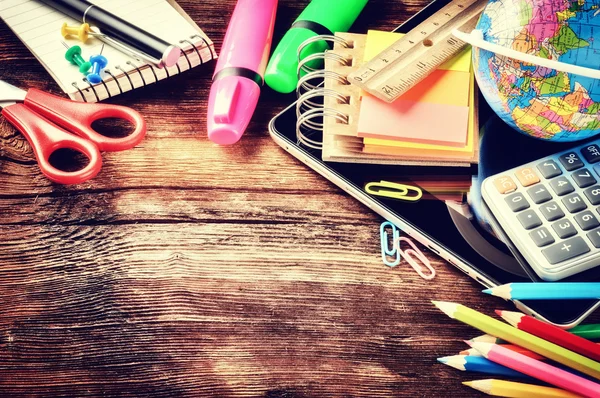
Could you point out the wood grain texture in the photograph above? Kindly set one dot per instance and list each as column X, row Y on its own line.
column 189, row 269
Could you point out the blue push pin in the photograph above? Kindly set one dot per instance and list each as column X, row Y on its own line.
column 98, row 62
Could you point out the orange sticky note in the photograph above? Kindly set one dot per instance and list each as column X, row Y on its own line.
column 441, row 87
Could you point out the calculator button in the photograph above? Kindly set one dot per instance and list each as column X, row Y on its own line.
column 587, row 220
column 570, row 161
column 527, row 176
column 574, row 203
column 517, row 202
column 593, row 194
column 566, row 250
column 542, row 237
column 551, row 211
column 561, row 186
column 564, row 229
column 583, row 178
column 539, row 194
column 549, row 169
column 594, row 237
column 505, row 184
column 591, row 153
column 529, row 219
column 597, row 169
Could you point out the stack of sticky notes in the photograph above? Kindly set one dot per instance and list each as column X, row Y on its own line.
column 435, row 120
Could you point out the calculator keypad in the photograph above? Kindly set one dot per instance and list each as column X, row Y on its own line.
column 550, row 209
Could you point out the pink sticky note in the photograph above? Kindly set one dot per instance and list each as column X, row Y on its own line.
column 421, row 122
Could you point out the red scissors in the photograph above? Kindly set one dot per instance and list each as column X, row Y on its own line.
column 50, row 123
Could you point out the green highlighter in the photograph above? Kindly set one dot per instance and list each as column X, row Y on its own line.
column 318, row 18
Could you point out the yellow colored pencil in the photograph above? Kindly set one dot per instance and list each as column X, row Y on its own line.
column 501, row 388
column 513, row 335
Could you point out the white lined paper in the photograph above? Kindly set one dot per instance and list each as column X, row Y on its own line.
column 38, row 26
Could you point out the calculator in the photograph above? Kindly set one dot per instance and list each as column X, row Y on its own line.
column 550, row 210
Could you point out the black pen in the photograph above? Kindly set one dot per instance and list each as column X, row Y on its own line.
column 120, row 33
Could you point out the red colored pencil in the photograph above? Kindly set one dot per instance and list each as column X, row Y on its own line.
column 551, row 333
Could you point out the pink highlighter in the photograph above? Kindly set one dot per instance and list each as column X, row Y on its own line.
column 240, row 70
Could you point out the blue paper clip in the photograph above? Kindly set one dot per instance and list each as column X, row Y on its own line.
column 389, row 252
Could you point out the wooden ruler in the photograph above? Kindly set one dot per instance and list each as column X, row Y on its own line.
column 422, row 50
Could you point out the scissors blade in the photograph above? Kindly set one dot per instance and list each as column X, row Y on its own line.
column 10, row 94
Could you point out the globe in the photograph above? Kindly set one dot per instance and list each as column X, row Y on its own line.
column 547, row 103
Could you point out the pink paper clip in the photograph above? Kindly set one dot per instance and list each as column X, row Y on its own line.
column 410, row 254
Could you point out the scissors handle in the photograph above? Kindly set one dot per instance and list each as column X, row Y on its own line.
column 77, row 117
column 45, row 138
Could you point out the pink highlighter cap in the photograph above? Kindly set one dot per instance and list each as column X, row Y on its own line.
column 228, row 117
column 240, row 69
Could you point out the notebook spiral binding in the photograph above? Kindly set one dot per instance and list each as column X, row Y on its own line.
column 310, row 109
column 126, row 76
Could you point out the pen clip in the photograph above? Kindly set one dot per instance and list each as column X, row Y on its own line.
column 394, row 190
column 389, row 255
column 139, row 55
column 410, row 254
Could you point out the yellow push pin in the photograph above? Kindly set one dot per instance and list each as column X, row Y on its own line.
column 82, row 32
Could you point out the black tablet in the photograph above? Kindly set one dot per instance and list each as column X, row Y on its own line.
column 462, row 233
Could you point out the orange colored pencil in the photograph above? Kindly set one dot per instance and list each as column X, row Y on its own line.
column 552, row 333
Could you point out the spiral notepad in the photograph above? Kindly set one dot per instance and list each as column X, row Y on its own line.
column 328, row 113
column 38, row 27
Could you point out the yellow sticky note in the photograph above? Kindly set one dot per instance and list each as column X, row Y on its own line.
column 448, row 85
column 378, row 41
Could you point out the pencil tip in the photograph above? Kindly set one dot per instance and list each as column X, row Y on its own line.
column 487, row 291
column 446, row 307
column 443, row 359
column 499, row 312
column 469, row 343
column 468, row 383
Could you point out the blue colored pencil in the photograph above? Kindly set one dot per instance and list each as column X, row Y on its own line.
column 479, row 364
column 547, row 291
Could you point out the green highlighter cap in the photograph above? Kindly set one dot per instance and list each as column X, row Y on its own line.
column 322, row 16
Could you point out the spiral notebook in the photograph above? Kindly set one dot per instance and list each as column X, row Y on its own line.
column 341, row 112
column 38, row 26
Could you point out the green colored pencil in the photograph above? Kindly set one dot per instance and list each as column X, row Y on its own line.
column 513, row 335
column 587, row 331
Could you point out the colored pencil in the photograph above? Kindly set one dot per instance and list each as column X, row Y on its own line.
column 547, row 291
column 589, row 332
column 501, row 388
column 551, row 333
column 539, row 370
column 513, row 335
column 487, row 338
column 516, row 348
column 520, row 350
column 478, row 364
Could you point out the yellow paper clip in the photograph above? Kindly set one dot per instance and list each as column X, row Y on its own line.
column 394, row 190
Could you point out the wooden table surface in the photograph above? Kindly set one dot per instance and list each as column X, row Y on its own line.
column 189, row 269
